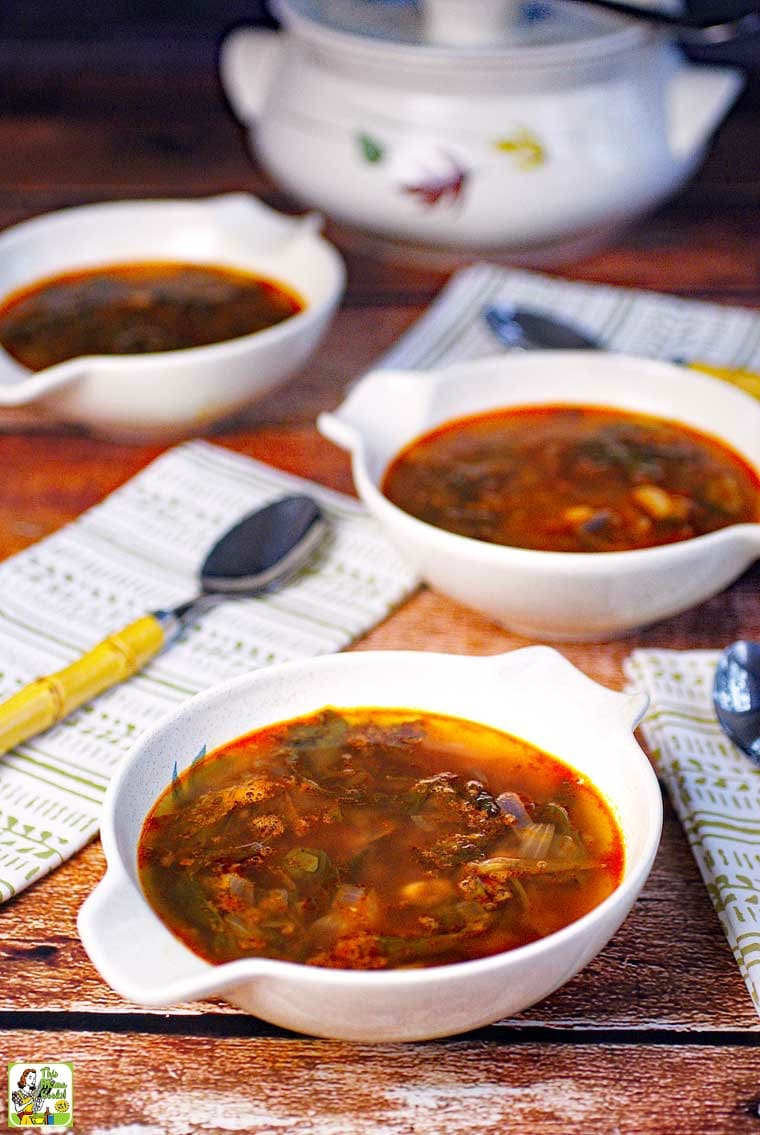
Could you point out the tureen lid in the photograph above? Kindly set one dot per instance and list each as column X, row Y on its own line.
column 437, row 33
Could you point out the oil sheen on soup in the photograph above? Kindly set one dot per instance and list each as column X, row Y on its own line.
column 573, row 479
column 375, row 839
column 128, row 309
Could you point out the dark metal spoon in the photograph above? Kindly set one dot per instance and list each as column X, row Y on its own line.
column 525, row 330
column 705, row 30
column 736, row 696
column 258, row 554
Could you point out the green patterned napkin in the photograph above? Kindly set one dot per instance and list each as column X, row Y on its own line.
column 714, row 789
column 137, row 551
column 622, row 319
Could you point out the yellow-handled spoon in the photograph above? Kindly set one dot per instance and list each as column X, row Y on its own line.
column 258, row 554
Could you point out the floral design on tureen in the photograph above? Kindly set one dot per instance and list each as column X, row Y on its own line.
column 441, row 176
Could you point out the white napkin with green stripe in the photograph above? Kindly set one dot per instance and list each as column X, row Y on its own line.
column 622, row 319
column 714, row 788
column 138, row 551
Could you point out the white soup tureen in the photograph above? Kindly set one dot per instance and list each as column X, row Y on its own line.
column 534, row 129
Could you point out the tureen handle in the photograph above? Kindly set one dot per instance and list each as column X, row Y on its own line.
column 698, row 99
column 247, row 62
column 246, row 216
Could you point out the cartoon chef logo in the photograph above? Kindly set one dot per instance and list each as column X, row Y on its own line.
column 40, row 1095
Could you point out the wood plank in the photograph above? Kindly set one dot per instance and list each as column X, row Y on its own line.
column 129, row 154
column 668, row 967
column 35, row 499
column 170, row 1085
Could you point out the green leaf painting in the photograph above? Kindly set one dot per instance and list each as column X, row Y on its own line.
column 372, row 151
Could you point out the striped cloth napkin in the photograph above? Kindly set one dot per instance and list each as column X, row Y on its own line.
column 621, row 319
column 715, row 790
column 137, row 551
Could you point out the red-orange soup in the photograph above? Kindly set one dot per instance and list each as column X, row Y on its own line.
column 375, row 839
column 573, row 479
column 129, row 309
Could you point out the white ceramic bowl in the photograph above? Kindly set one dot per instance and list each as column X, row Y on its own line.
column 551, row 595
column 171, row 393
column 589, row 728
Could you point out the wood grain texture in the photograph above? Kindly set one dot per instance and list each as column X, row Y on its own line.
column 109, row 133
column 156, row 1085
column 658, row 1033
column 668, row 967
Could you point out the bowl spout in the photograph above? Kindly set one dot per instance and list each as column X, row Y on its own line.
column 698, row 100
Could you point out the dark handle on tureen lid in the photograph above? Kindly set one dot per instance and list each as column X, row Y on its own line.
column 707, row 31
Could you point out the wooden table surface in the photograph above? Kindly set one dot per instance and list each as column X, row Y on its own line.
column 658, row 1033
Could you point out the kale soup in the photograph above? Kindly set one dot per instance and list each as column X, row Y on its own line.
column 374, row 839
column 567, row 478
column 129, row 309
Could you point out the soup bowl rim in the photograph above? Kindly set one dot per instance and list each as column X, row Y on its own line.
column 38, row 228
column 202, row 352
column 318, row 283
column 215, row 978
column 331, row 424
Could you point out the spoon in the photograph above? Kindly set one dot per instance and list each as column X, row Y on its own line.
column 526, row 330
column 736, row 696
column 261, row 552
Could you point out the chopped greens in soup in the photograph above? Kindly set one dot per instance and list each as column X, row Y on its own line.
column 373, row 839
column 573, row 479
column 133, row 309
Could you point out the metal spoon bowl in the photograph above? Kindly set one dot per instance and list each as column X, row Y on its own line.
column 706, row 31
column 258, row 554
column 736, row 696
column 525, row 330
